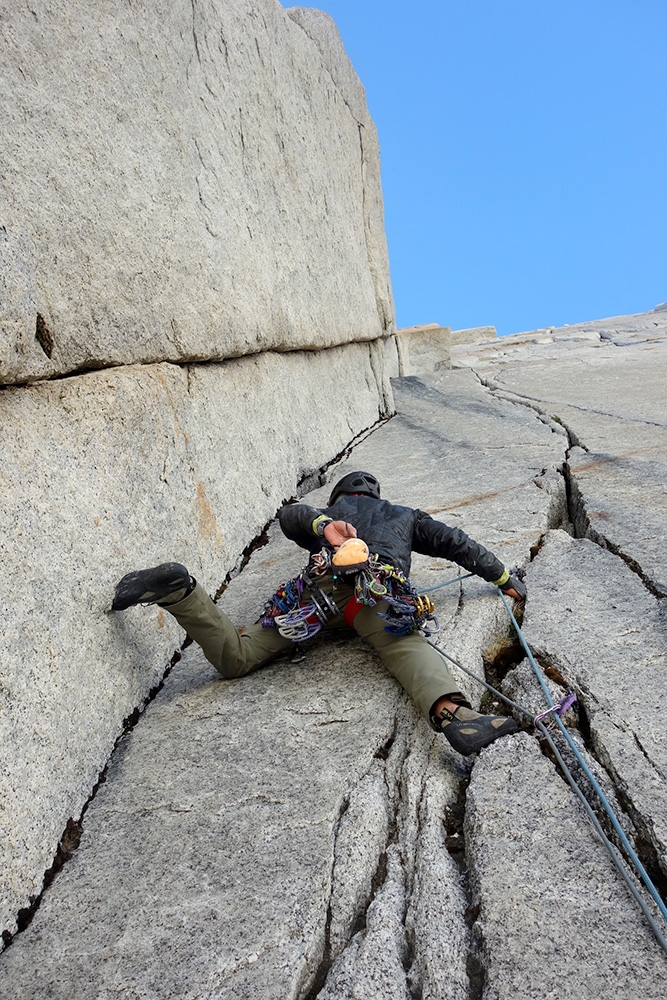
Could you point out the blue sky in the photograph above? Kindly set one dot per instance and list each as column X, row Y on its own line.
column 524, row 155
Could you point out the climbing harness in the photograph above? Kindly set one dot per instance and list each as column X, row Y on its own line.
column 554, row 713
column 300, row 607
column 408, row 610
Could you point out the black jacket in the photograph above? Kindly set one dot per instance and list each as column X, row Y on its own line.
column 393, row 533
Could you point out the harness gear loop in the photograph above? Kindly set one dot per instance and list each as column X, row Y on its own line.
column 297, row 618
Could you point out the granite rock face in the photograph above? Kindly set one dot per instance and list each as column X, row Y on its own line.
column 116, row 470
column 473, row 335
column 617, row 424
column 553, row 921
column 594, row 620
column 422, row 350
column 182, row 182
column 302, row 832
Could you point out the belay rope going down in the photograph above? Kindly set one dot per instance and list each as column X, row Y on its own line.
column 555, row 711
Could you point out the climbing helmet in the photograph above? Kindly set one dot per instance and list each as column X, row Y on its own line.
column 356, row 482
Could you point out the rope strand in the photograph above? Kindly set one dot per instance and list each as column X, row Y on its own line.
column 629, row 850
column 598, row 791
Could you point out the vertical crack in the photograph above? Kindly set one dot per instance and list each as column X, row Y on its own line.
column 579, row 522
column 409, row 957
column 71, row 836
column 333, row 951
column 455, row 842
column 605, row 543
column 313, row 480
column 194, row 31
column 326, row 961
column 43, row 336
column 633, row 823
column 454, row 830
column 583, row 529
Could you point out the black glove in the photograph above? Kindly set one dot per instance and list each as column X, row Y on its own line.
column 514, row 583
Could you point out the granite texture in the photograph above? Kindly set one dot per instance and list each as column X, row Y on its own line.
column 594, row 620
column 473, row 335
column 317, row 842
column 603, row 382
column 182, row 181
column 423, row 349
column 301, row 832
column 111, row 471
column 554, row 920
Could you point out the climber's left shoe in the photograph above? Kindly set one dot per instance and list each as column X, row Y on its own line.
column 468, row 732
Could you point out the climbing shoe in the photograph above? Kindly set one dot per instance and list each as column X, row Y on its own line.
column 468, row 732
column 164, row 584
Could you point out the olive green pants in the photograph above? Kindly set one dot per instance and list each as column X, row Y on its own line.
column 410, row 659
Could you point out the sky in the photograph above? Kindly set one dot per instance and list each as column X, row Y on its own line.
column 524, row 155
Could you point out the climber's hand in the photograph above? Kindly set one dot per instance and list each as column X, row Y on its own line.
column 337, row 532
column 515, row 588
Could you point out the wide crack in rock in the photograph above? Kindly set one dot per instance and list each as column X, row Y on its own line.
column 582, row 521
column 554, row 919
column 611, row 405
column 591, row 624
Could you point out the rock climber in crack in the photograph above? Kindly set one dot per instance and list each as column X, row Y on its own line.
column 357, row 575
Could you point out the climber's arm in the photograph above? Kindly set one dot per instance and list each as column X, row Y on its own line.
column 435, row 538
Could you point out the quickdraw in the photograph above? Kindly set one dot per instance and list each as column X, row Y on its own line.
column 569, row 700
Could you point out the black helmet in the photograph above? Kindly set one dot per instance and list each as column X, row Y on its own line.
column 356, row 482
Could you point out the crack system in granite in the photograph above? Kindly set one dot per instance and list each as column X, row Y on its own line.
column 391, row 754
column 578, row 514
column 579, row 526
column 71, row 836
column 407, row 811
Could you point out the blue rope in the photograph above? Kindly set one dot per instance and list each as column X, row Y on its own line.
column 602, row 797
column 454, row 579
column 598, row 791
column 575, row 788
column 603, row 837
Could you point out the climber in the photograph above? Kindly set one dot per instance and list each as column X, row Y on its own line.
column 357, row 575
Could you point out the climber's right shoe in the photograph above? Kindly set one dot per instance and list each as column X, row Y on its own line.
column 164, row 584
column 468, row 732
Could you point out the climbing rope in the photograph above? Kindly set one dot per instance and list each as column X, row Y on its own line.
column 596, row 788
column 455, row 579
column 555, row 711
